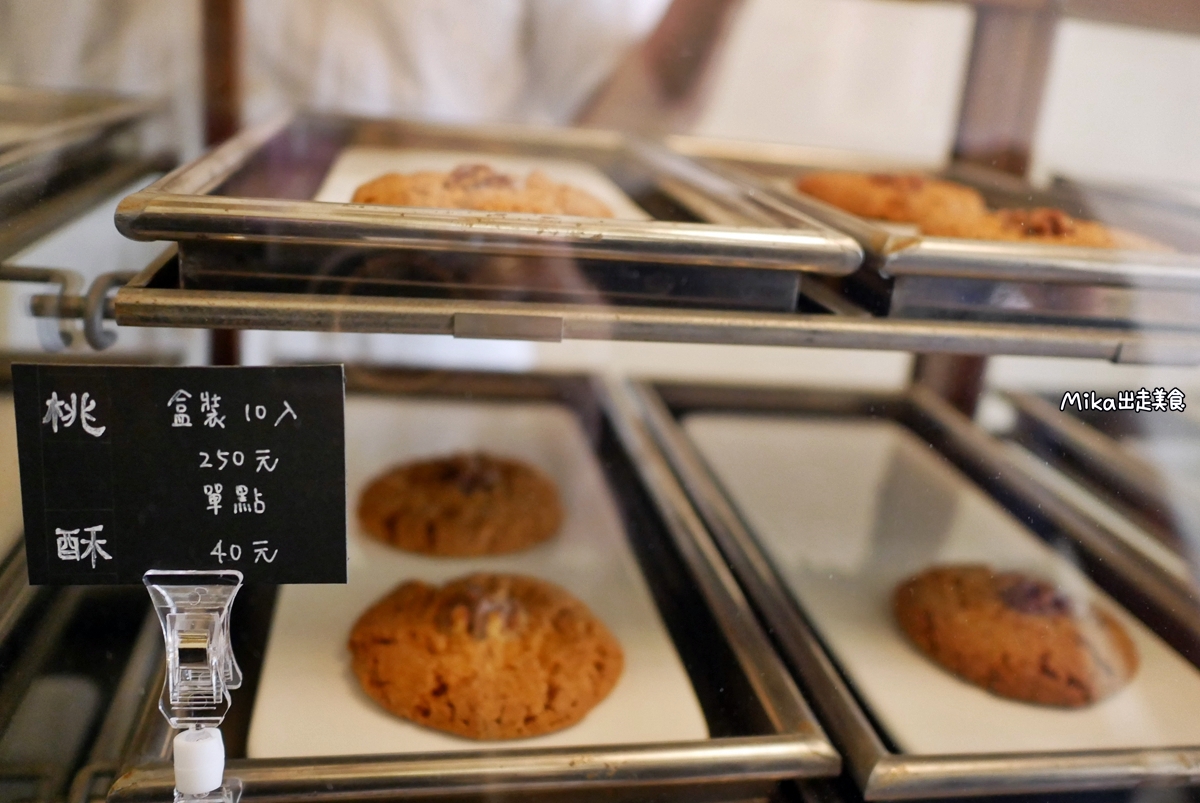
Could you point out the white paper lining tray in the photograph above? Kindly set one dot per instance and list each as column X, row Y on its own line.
column 822, row 502
column 245, row 218
column 908, row 275
column 617, row 552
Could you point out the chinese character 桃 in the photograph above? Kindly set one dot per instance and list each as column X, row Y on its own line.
column 65, row 411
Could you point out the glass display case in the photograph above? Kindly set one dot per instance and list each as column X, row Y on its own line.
column 958, row 587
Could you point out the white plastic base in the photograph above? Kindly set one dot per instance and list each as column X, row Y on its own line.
column 199, row 761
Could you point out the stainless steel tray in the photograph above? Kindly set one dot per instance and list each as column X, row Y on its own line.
column 243, row 214
column 908, row 275
column 762, row 731
column 880, row 771
column 49, row 138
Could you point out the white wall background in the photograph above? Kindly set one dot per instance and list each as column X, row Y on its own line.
column 1122, row 103
column 865, row 75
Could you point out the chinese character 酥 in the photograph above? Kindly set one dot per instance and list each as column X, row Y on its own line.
column 67, row 543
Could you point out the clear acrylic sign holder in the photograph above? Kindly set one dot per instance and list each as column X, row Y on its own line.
column 193, row 608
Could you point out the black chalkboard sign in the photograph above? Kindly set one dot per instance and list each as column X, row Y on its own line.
column 125, row 469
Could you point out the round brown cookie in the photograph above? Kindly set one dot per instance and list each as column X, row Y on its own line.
column 1043, row 225
column 487, row 656
column 1015, row 635
column 479, row 187
column 899, row 197
column 465, row 504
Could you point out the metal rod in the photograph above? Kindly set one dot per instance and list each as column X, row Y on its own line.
column 528, row 771
column 141, row 306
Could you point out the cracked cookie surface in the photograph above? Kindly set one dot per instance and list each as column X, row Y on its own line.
column 486, row 656
column 941, row 208
column 898, row 197
column 1015, row 635
column 479, row 187
column 461, row 505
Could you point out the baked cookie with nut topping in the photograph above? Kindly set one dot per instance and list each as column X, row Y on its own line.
column 898, row 197
column 479, row 187
column 1044, row 225
column 461, row 505
column 486, row 656
column 1015, row 635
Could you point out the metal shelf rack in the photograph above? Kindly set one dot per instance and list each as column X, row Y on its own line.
column 154, row 298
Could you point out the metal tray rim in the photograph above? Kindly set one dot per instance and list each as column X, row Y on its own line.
column 936, row 256
column 978, row 259
column 176, row 207
column 154, row 216
column 919, row 255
